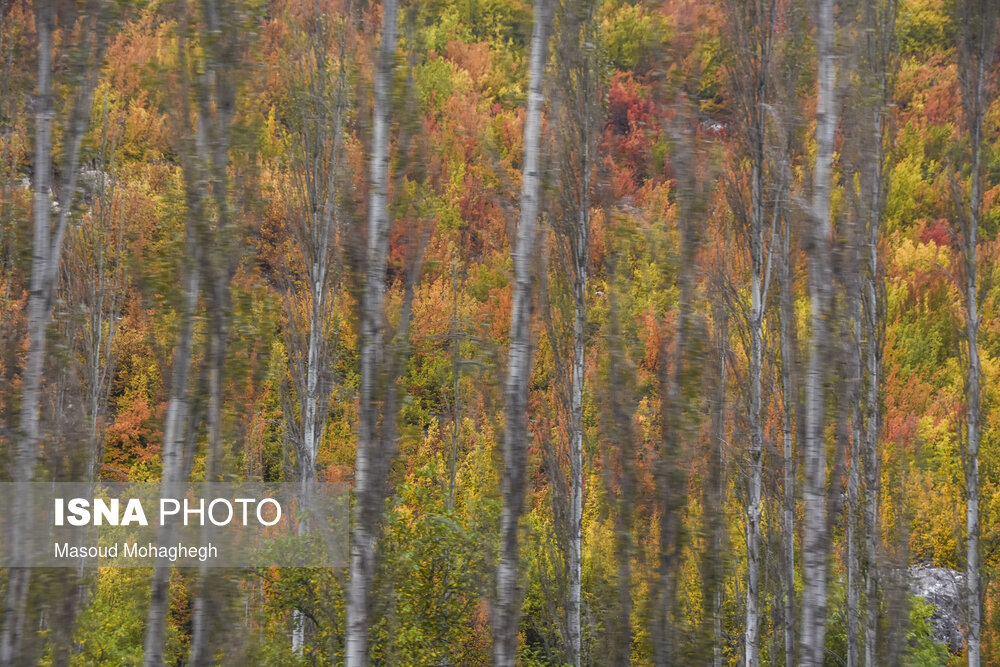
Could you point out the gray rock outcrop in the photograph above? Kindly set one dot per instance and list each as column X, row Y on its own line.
column 945, row 590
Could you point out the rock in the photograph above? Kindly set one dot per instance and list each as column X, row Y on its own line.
column 945, row 590
column 92, row 183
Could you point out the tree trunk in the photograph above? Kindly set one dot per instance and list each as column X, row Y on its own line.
column 317, row 234
column 174, row 439
column 815, row 539
column 972, row 417
column 506, row 613
column 877, row 42
column 575, row 109
column 205, row 160
column 853, row 482
column 715, row 491
column 789, row 399
column 671, row 477
column 204, row 610
column 576, row 447
column 617, row 419
column 751, row 33
column 47, row 250
column 976, row 51
column 368, row 482
column 873, row 409
column 872, row 319
column 758, row 296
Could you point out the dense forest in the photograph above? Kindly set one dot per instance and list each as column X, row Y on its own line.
column 653, row 332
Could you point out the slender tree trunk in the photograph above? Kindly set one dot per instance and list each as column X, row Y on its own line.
column 873, row 410
column 506, row 613
column 220, row 269
column 976, row 79
column 716, row 486
column 175, row 436
column 47, row 250
column 38, row 316
column 98, row 271
column 581, row 258
column 368, row 482
column 617, row 420
column 456, row 401
column 671, row 483
column 853, row 483
column 671, row 478
column 39, row 303
column 206, row 148
column 174, row 439
column 573, row 118
column 976, row 51
column 972, row 574
column 576, row 447
column 205, row 611
column 751, row 34
column 757, row 298
column 878, row 46
column 815, row 538
column 858, row 168
column 792, row 407
column 317, row 233
column 788, row 398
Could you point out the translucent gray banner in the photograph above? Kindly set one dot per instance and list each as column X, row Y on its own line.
column 68, row 524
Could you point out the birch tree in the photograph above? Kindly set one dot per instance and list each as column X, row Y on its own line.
column 715, row 483
column 620, row 480
column 506, row 612
column 204, row 150
column 880, row 58
column 671, row 477
column 752, row 29
column 371, row 463
column 789, row 403
column 853, row 367
column 95, row 280
column 976, row 51
column 875, row 49
column 576, row 105
column 52, row 208
column 223, row 38
column 315, row 218
column 788, row 132
column 819, row 249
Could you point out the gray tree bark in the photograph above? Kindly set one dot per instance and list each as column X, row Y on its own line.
column 815, row 536
column 581, row 257
column 95, row 279
column 789, row 399
column 316, row 227
column 205, row 152
column 715, row 487
column 854, row 478
column 576, row 112
column 506, row 612
column 976, row 50
column 671, row 478
column 47, row 249
column 751, row 32
column 370, row 459
column 874, row 325
column 878, row 20
column 620, row 479
column 787, row 125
